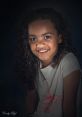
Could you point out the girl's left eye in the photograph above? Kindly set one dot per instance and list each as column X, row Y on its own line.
column 32, row 39
column 47, row 37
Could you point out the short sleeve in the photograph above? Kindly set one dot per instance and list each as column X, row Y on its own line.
column 69, row 64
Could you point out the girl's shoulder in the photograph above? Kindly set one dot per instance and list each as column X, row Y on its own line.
column 70, row 58
column 69, row 63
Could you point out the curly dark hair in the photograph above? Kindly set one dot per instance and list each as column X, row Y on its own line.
column 31, row 62
column 59, row 24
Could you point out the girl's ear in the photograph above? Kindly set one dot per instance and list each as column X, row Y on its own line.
column 60, row 39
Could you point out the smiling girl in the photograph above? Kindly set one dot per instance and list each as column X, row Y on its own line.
column 57, row 69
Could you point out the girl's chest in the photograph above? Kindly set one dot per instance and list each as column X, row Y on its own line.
column 49, row 82
column 50, row 90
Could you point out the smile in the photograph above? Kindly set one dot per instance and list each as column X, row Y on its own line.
column 43, row 50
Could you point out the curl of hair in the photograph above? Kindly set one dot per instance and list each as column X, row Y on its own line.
column 59, row 24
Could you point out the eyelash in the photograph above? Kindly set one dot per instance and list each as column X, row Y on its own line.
column 34, row 39
column 47, row 37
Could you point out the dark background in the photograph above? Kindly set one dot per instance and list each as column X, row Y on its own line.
column 10, row 14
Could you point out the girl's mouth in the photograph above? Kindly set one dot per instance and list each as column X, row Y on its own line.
column 42, row 50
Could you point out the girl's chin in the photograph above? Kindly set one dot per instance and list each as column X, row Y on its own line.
column 45, row 61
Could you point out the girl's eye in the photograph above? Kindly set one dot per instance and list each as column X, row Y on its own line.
column 47, row 37
column 32, row 39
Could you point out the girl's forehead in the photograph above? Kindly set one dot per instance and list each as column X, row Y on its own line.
column 40, row 27
column 41, row 22
column 38, row 24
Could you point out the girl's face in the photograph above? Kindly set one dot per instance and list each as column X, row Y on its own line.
column 43, row 40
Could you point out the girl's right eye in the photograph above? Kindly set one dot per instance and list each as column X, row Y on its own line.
column 32, row 39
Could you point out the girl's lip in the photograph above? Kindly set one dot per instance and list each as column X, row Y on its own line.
column 42, row 50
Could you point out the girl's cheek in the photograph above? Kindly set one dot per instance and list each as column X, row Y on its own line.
column 32, row 48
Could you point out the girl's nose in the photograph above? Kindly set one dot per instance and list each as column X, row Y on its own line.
column 40, row 44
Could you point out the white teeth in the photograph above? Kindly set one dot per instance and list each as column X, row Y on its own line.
column 42, row 50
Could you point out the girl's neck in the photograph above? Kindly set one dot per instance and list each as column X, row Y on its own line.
column 43, row 65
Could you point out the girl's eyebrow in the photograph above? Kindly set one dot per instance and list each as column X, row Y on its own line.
column 42, row 34
column 51, row 33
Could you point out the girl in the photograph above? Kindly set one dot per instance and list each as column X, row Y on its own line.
column 56, row 70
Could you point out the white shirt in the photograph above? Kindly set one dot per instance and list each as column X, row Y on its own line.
column 50, row 86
